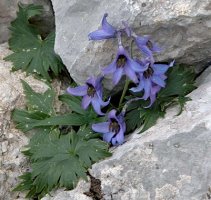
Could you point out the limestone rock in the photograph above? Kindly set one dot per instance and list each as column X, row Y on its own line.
column 169, row 161
column 12, row 161
column 8, row 9
column 181, row 27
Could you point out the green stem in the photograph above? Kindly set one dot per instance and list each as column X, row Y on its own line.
column 127, row 82
column 124, row 91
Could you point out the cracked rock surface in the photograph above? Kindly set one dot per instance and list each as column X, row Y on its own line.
column 12, row 161
column 181, row 27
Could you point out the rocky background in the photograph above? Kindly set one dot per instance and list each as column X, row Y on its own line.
column 169, row 161
column 8, row 9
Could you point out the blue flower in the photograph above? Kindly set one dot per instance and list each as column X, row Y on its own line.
column 113, row 130
column 146, row 46
column 92, row 93
column 122, row 65
column 152, row 79
column 107, row 31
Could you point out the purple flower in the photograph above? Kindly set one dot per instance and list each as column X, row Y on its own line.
column 122, row 65
column 152, row 79
column 92, row 93
column 146, row 46
column 107, row 31
column 113, row 130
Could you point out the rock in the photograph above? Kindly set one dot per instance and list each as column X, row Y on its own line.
column 181, row 27
column 172, row 163
column 76, row 194
column 12, row 161
column 8, row 11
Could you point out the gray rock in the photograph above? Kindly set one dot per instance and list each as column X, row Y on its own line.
column 181, row 27
column 8, row 9
column 169, row 161
column 12, row 161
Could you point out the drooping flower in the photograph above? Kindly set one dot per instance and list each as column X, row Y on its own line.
column 107, row 31
column 113, row 130
column 152, row 79
column 92, row 93
column 147, row 46
column 123, row 65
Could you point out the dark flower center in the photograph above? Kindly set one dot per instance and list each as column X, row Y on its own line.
column 149, row 72
column 149, row 44
column 114, row 126
column 121, row 61
column 91, row 90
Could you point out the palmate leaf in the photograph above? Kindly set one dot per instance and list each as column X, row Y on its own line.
column 40, row 111
column 32, row 53
column 61, row 160
column 180, row 82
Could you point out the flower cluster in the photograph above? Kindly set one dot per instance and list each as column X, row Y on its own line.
column 148, row 76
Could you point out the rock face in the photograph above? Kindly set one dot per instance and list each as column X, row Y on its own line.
column 181, row 27
column 12, row 161
column 8, row 9
column 169, row 161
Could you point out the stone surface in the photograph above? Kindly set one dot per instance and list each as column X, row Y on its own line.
column 8, row 10
column 181, row 27
column 169, row 161
column 12, row 161
column 76, row 194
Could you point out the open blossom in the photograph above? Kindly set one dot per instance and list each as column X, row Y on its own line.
column 147, row 46
column 123, row 65
column 152, row 80
column 107, row 31
column 92, row 93
column 113, row 130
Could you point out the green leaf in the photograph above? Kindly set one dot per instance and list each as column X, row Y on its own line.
column 150, row 117
column 180, row 82
column 133, row 120
column 73, row 102
column 182, row 101
column 37, row 101
column 26, row 120
column 61, row 160
column 32, row 53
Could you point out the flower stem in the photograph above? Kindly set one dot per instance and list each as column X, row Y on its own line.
column 127, row 82
column 124, row 91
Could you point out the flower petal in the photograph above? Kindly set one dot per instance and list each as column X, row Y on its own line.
column 96, row 106
column 107, row 31
column 108, row 136
column 78, row 91
column 117, row 75
column 85, row 102
column 136, row 66
column 119, row 139
column 139, row 88
column 154, row 91
column 99, row 35
column 102, row 103
column 147, row 88
column 110, row 68
column 160, row 69
column 107, row 27
column 112, row 114
column 101, row 127
column 131, row 74
column 158, row 80
column 142, row 40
